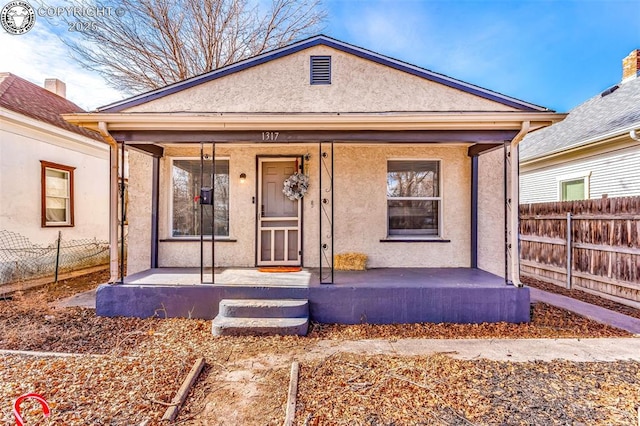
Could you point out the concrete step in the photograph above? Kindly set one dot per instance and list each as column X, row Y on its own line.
column 263, row 308
column 234, row 326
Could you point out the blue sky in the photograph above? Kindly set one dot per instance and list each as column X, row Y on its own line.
column 555, row 53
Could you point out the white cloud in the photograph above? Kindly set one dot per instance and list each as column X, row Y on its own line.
column 473, row 47
column 385, row 27
column 40, row 54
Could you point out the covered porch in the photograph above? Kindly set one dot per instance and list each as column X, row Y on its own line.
column 375, row 296
column 416, row 170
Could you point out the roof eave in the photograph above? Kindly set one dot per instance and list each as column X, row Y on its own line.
column 586, row 143
column 32, row 123
column 315, row 121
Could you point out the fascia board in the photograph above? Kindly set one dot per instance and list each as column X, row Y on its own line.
column 584, row 144
column 321, row 121
column 41, row 126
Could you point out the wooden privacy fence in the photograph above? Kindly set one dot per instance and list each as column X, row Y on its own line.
column 598, row 239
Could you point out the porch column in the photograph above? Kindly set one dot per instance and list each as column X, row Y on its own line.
column 514, row 203
column 474, row 211
column 113, row 201
column 155, row 194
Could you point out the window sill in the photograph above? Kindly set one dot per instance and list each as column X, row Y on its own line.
column 192, row 239
column 414, row 240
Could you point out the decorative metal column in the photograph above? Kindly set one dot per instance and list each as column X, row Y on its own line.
column 213, row 213
column 201, row 211
column 325, row 182
column 212, row 179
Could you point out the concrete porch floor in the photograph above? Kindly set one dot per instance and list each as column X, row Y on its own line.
column 309, row 277
column 377, row 296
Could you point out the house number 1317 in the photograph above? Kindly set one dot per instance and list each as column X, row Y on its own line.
column 270, row 136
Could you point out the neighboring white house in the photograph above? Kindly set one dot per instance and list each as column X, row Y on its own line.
column 54, row 176
column 593, row 153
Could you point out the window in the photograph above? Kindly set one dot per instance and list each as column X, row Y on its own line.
column 413, row 198
column 186, row 192
column 573, row 190
column 57, row 194
column 573, row 186
column 321, row 70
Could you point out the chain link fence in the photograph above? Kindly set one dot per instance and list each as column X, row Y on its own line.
column 22, row 260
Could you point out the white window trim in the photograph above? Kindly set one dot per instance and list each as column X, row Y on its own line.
column 440, row 199
column 586, row 176
column 170, row 235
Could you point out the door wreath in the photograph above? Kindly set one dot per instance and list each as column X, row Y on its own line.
column 295, row 186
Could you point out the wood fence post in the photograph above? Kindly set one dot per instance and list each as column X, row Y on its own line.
column 569, row 260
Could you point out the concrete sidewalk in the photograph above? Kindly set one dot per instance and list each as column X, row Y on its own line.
column 514, row 350
column 593, row 312
column 86, row 299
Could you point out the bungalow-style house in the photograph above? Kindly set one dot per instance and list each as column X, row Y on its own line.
column 593, row 153
column 313, row 150
column 53, row 174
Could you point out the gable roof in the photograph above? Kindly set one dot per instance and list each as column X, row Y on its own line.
column 312, row 42
column 31, row 100
column 613, row 112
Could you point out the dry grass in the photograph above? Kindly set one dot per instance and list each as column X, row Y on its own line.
column 436, row 390
column 245, row 381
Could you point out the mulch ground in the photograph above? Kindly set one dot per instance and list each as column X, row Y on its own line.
column 141, row 363
column 436, row 390
column 581, row 295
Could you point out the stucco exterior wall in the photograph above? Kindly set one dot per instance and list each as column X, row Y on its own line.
column 21, row 150
column 241, row 250
column 139, row 212
column 360, row 207
column 357, row 85
column 491, row 222
column 615, row 173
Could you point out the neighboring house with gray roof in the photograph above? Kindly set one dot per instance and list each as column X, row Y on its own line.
column 593, row 153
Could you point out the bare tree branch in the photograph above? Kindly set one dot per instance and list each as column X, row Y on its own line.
column 158, row 42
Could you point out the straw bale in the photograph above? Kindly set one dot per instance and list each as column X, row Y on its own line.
column 350, row 262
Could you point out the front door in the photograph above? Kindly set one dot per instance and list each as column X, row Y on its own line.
column 279, row 236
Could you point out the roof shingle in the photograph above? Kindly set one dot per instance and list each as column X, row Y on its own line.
column 26, row 98
column 617, row 110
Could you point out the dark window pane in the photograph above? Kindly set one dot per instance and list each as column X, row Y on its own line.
column 413, row 179
column 413, row 217
column 186, row 208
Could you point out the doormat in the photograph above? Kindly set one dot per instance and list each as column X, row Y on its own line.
column 280, row 269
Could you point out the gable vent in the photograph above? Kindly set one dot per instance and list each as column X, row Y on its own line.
column 321, row 70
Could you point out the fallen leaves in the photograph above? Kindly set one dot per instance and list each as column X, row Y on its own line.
column 438, row 390
column 141, row 363
column 89, row 389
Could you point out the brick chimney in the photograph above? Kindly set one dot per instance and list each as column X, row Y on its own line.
column 631, row 65
column 56, row 86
